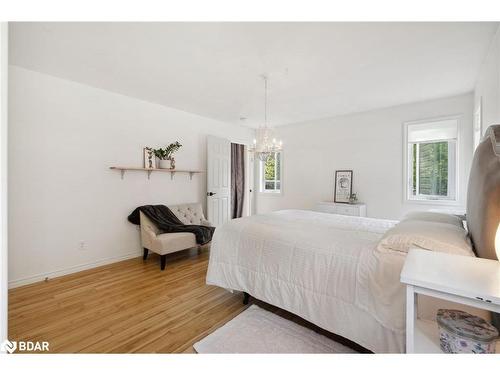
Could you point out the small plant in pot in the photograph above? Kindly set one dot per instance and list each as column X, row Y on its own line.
column 353, row 198
column 166, row 155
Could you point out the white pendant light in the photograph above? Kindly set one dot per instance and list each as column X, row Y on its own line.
column 265, row 143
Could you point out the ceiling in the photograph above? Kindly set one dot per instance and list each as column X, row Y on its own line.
column 316, row 70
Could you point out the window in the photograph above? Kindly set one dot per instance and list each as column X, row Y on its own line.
column 432, row 160
column 270, row 174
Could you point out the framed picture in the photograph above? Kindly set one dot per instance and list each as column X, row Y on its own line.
column 343, row 186
column 149, row 158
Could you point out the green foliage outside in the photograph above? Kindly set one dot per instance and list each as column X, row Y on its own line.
column 270, row 168
column 272, row 172
column 433, row 168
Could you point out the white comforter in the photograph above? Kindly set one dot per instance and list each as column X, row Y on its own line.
column 322, row 267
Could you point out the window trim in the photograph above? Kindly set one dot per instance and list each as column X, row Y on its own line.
column 261, row 190
column 407, row 198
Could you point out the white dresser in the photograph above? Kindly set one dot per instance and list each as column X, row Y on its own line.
column 357, row 209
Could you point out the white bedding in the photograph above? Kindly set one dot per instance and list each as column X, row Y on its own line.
column 322, row 267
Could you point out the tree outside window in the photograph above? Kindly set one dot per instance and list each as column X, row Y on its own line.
column 432, row 167
column 271, row 173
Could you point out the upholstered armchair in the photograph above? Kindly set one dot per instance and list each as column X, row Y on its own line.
column 166, row 243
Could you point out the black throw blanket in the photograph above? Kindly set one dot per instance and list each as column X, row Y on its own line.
column 167, row 222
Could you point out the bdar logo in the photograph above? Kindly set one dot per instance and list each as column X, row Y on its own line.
column 24, row 346
column 8, row 346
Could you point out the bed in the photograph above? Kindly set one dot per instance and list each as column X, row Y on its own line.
column 328, row 268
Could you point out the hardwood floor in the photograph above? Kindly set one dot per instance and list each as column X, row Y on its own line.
column 125, row 307
column 129, row 307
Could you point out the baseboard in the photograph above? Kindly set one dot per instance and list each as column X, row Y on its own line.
column 70, row 270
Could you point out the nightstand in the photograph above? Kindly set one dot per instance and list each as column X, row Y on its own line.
column 355, row 209
column 466, row 280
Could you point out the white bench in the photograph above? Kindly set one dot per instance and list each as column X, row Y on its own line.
column 165, row 243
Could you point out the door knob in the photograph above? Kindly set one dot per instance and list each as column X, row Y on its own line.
column 210, row 194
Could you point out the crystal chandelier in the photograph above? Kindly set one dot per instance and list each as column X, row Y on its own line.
column 265, row 143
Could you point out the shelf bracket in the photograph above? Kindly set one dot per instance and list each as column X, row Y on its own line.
column 122, row 173
column 149, row 174
column 191, row 175
column 172, row 174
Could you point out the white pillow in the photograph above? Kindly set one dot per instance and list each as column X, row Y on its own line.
column 430, row 235
column 436, row 217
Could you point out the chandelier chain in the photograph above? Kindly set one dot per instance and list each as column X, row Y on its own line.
column 265, row 101
column 265, row 144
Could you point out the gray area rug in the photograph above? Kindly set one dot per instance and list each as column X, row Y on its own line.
column 257, row 330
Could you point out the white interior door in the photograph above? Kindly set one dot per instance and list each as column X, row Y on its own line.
column 218, row 180
column 249, row 183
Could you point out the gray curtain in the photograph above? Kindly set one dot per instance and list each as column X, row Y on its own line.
column 237, row 179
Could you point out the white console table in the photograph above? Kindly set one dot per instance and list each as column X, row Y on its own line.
column 467, row 280
column 356, row 209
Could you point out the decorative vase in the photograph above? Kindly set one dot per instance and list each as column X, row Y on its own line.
column 172, row 163
column 164, row 164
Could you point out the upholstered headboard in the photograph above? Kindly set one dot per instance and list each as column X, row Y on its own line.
column 483, row 195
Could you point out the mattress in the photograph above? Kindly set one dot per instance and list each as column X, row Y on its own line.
column 322, row 267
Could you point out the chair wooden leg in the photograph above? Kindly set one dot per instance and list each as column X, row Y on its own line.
column 246, row 297
column 163, row 262
column 145, row 255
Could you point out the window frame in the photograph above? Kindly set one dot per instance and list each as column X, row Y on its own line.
column 408, row 197
column 262, row 181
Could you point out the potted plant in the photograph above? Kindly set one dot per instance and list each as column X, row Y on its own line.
column 165, row 155
column 353, row 198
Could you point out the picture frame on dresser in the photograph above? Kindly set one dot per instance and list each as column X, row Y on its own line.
column 343, row 186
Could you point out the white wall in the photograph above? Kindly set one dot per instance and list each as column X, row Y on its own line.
column 63, row 138
column 487, row 90
column 371, row 144
column 3, row 179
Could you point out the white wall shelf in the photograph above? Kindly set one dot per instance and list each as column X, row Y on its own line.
column 151, row 170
